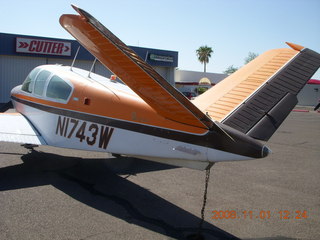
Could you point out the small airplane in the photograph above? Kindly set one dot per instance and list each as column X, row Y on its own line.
column 146, row 117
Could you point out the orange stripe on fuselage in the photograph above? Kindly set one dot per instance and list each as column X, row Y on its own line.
column 10, row 114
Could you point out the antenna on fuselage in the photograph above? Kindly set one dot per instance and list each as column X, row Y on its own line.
column 94, row 62
column 74, row 59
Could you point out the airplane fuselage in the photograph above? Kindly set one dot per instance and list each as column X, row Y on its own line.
column 71, row 110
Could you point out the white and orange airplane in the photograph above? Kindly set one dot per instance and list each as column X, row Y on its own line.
column 148, row 118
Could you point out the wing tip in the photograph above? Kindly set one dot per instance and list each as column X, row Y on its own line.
column 82, row 12
column 75, row 7
column 295, row 46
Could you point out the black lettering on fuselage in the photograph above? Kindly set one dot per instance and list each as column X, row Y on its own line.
column 105, row 135
column 75, row 124
column 74, row 128
column 65, row 130
column 61, row 126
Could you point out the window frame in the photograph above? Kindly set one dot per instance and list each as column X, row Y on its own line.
column 32, row 81
column 44, row 93
column 45, row 84
column 68, row 82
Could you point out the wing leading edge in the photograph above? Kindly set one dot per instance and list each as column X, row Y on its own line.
column 16, row 128
column 132, row 70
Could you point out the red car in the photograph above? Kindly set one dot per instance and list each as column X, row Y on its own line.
column 190, row 95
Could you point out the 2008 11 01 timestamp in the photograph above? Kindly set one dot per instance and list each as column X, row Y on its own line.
column 262, row 214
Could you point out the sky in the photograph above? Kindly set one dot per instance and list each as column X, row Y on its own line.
column 232, row 28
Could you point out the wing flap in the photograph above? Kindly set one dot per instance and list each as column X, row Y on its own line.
column 132, row 70
column 16, row 128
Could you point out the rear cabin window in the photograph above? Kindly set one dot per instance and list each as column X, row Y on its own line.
column 40, row 82
column 27, row 85
column 58, row 89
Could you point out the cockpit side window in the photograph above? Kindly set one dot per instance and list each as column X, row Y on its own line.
column 58, row 89
column 27, row 85
column 40, row 82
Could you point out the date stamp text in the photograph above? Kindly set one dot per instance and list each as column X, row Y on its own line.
column 262, row 214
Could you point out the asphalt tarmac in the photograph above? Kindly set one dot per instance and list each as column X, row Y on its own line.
column 52, row 193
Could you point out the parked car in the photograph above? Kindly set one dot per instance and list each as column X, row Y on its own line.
column 190, row 95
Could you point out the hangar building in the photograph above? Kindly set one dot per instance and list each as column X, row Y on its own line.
column 19, row 54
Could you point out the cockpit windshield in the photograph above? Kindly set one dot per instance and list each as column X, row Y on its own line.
column 27, row 85
column 43, row 83
column 40, row 82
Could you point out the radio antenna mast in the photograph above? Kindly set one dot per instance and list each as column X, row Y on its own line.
column 74, row 59
column 94, row 62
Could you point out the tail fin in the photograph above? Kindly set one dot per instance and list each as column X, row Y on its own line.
column 257, row 98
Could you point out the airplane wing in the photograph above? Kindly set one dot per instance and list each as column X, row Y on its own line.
column 132, row 70
column 258, row 97
column 14, row 127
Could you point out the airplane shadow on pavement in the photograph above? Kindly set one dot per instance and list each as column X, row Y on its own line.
column 139, row 205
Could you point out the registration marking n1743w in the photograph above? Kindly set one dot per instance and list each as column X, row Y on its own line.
column 87, row 132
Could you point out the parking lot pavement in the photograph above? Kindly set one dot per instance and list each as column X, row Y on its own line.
column 52, row 193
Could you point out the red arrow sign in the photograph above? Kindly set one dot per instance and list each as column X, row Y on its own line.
column 43, row 46
column 23, row 45
column 66, row 48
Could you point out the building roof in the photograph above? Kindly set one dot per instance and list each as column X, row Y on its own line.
column 186, row 77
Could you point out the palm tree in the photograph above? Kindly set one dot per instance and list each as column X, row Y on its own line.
column 203, row 54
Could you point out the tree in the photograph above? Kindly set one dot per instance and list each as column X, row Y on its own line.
column 250, row 57
column 201, row 90
column 231, row 69
column 203, row 54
